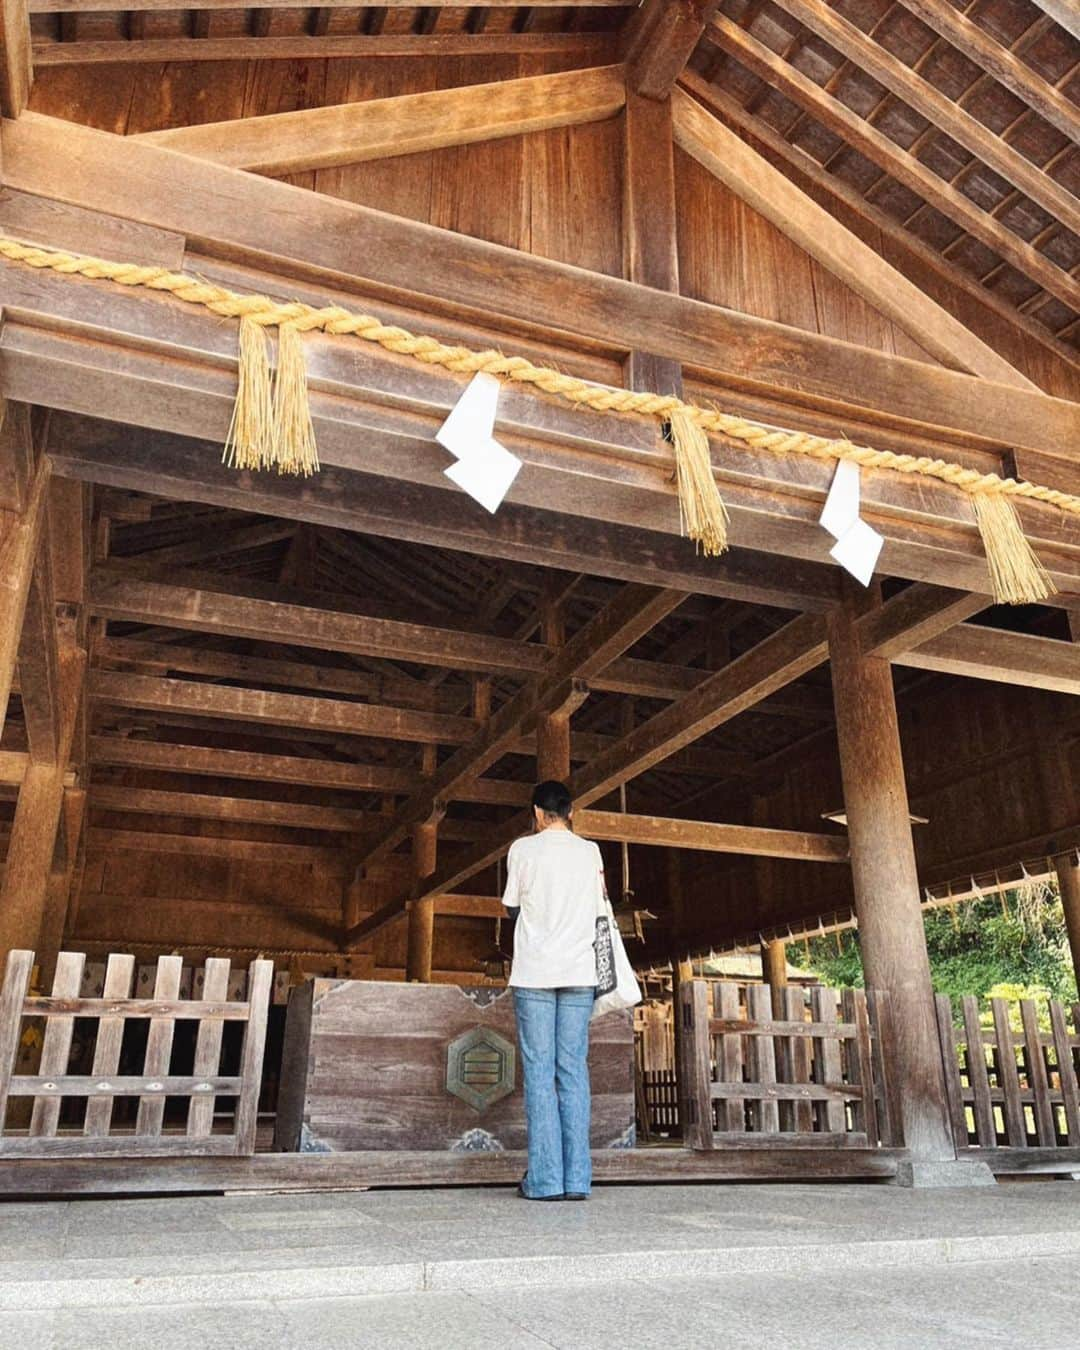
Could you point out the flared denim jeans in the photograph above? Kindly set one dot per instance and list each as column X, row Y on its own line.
column 553, row 1033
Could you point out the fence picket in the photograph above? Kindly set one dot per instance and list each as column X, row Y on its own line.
column 1037, row 1077
column 159, row 1043
column 1007, row 1076
column 827, row 1059
column 729, row 1057
column 200, row 1119
column 118, row 976
column 799, row 1057
column 1066, row 1073
column 260, row 977
column 954, row 1090
column 860, row 1063
column 56, row 1044
column 978, row 1078
column 17, row 971
column 762, row 1058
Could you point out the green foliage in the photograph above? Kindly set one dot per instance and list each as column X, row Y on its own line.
column 978, row 947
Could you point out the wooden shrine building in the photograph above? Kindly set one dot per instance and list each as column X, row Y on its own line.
column 714, row 258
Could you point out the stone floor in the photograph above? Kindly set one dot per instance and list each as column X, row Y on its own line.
column 647, row 1266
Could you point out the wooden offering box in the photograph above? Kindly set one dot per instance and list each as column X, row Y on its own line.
column 371, row 1065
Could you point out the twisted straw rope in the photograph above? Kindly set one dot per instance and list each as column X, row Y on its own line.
column 270, row 313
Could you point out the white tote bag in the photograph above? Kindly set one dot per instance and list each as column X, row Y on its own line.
column 624, row 991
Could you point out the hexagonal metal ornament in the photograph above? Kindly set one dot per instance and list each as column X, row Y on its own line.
column 480, row 1067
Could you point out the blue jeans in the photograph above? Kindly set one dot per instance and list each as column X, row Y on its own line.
column 553, row 1032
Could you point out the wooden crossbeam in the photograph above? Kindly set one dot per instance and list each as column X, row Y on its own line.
column 946, row 115
column 994, row 57
column 39, row 658
column 588, row 47
column 148, row 6
column 321, row 238
column 712, row 837
column 268, row 768
column 807, row 170
column 768, row 191
column 260, row 707
column 888, row 155
column 1006, row 658
column 319, row 138
column 1063, row 12
column 337, row 861
column 660, row 40
column 360, row 825
column 913, row 617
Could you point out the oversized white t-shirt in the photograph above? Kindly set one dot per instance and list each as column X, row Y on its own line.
column 557, row 879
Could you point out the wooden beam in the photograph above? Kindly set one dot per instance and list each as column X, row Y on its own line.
column 1006, row 658
column 942, row 112
column 910, row 245
column 163, row 657
column 334, row 860
column 352, row 133
column 149, row 6
column 660, row 40
column 739, row 167
column 995, row 58
column 360, row 825
column 16, row 63
column 260, row 707
column 632, row 614
column 325, row 239
column 913, row 617
column 888, row 155
column 261, row 767
column 709, row 836
column 591, row 47
column 13, row 766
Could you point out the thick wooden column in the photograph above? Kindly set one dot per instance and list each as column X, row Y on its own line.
column 1067, row 868
column 21, row 532
column 891, row 932
column 774, row 972
column 37, row 820
column 421, row 936
column 62, row 877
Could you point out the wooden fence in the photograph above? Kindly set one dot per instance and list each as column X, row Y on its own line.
column 87, row 1101
column 1011, row 1089
column 813, row 1078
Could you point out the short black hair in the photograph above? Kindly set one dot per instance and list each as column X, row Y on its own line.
column 553, row 798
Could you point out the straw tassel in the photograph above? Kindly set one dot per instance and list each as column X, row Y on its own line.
column 247, row 446
column 292, row 449
column 1018, row 577
column 702, row 512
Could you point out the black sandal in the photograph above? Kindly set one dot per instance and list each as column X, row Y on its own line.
column 521, row 1192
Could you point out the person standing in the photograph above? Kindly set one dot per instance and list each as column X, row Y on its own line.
column 554, row 886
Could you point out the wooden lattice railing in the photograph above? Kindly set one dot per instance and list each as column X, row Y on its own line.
column 56, row 1087
column 811, row 1078
column 1008, row 1088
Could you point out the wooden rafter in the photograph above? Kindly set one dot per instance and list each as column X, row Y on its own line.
column 810, row 226
column 997, row 60
column 807, row 169
column 893, row 159
column 317, row 138
column 1063, row 12
column 1007, row 658
column 942, row 112
column 712, row 837
column 144, row 6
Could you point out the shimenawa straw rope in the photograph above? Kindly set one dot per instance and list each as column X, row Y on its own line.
column 271, row 426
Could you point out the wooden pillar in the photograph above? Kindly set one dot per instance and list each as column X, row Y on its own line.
column 891, row 932
column 421, row 936
column 1068, row 874
column 20, row 537
column 35, row 828
column 54, row 921
column 774, row 972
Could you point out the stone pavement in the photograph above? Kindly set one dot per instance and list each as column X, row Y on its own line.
column 647, row 1266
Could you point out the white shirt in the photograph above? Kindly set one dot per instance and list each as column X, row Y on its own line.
column 557, row 878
